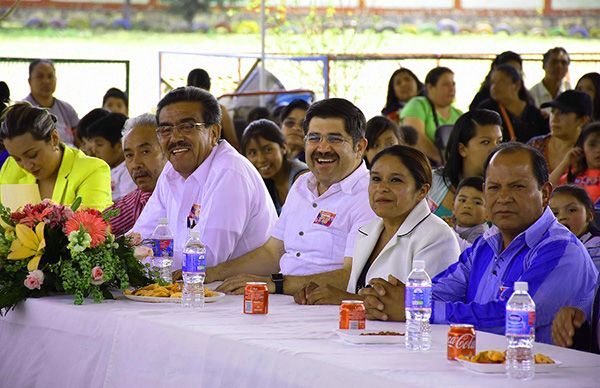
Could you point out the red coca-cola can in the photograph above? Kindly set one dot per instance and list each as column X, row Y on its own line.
column 352, row 314
column 256, row 298
column 461, row 341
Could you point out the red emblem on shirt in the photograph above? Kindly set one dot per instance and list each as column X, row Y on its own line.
column 501, row 292
column 192, row 218
column 324, row 218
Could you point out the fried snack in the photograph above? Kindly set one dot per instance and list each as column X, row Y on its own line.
column 209, row 293
column 497, row 357
column 487, row 357
column 169, row 291
column 383, row 333
column 542, row 359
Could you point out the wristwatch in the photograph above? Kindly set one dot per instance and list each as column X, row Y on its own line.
column 277, row 278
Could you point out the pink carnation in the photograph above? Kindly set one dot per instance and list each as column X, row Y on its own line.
column 34, row 279
column 97, row 276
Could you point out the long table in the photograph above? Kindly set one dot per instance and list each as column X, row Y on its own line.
column 49, row 342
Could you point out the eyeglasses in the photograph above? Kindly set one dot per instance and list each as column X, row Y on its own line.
column 186, row 128
column 315, row 138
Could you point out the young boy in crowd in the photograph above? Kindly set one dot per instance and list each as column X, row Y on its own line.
column 103, row 139
column 469, row 211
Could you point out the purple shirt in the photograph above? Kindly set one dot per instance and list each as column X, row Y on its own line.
column 318, row 231
column 554, row 263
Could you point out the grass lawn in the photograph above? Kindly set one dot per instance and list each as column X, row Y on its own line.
column 363, row 82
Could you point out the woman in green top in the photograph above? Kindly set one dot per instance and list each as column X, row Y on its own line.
column 427, row 113
column 37, row 156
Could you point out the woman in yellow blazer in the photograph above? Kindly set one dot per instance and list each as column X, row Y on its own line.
column 37, row 156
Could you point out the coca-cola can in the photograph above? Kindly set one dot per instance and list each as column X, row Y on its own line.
column 256, row 298
column 461, row 341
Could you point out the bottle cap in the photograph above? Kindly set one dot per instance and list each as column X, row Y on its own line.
column 521, row 286
column 163, row 221
column 418, row 264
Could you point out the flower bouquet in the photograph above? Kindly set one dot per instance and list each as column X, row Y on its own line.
column 49, row 248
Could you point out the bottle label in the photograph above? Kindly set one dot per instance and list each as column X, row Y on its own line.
column 520, row 323
column 417, row 297
column 162, row 247
column 194, row 262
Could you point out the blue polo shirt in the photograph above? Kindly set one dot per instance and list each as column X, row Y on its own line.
column 546, row 255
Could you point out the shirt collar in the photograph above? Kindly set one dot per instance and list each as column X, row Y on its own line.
column 347, row 184
column 201, row 172
column 417, row 215
column 532, row 235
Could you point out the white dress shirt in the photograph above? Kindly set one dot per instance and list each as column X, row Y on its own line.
column 121, row 182
column 540, row 94
column 422, row 236
column 235, row 210
column 318, row 231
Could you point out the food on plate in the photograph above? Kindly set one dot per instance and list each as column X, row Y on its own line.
column 497, row 357
column 383, row 333
column 543, row 359
column 167, row 291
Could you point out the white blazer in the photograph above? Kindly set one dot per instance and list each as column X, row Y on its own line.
column 422, row 236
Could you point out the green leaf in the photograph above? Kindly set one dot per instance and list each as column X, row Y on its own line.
column 76, row 204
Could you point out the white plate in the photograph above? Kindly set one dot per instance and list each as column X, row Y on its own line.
column 355, row 337
column 500, row 368
column 159, row 299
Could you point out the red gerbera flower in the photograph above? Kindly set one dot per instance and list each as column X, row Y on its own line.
column 92, row 222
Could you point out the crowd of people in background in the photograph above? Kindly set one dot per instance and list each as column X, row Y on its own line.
column 325, row 205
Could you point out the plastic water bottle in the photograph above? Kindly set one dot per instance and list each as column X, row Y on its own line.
column 520, row 333
column 194, row 271
column 418, row 308
column 162, row 247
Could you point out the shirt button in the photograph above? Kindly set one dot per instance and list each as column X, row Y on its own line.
column 301, row 233
column 314, row 205
column 297, row 254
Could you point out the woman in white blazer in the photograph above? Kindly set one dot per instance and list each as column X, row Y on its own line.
column 404, row 231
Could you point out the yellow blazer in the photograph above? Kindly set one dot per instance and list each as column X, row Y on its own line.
column 79, row 175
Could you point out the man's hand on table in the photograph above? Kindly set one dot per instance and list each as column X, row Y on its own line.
column 384, row 300
column 566, row 321
column 313, row 293
column 237, row 283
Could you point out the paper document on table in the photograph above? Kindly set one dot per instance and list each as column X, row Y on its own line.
column 16, row 195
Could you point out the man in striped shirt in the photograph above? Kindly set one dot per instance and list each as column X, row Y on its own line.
column 145, row 161
column 526, row 244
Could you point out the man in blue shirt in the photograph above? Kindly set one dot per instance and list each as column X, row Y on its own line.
column 526, row 244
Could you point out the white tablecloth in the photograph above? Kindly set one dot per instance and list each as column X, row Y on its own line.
column 50, row 342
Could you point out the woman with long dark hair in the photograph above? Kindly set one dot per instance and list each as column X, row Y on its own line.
column 590, row 84
column 403, row 86
column 521, row 119
column 474, row 136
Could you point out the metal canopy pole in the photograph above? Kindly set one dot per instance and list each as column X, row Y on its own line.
column 263, row 28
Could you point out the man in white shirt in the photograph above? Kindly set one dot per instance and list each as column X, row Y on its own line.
column 206, row 184
column 556, row 66
column 314, row 236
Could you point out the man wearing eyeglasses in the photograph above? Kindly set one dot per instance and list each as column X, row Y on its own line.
column 314, row 236
column 206, row 184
